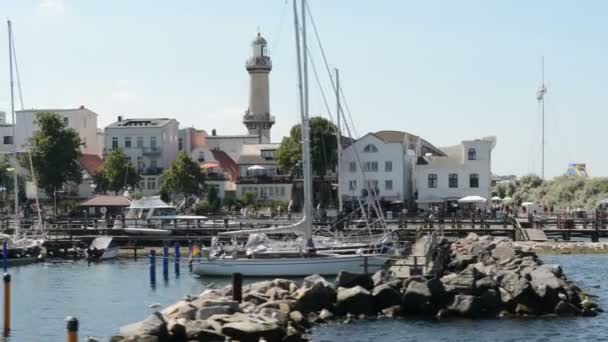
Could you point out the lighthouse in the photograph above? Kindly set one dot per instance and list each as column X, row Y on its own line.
column 257, row 117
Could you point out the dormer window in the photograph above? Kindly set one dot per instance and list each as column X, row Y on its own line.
column 472, row 155
column 268, row 154
column 370, row 148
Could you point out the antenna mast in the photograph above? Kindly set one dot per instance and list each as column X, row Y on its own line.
column 540, row 96
column 12, row 86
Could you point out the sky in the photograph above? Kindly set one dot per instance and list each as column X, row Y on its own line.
column 445, row 70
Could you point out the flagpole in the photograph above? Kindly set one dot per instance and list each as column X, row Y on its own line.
column 542, row 106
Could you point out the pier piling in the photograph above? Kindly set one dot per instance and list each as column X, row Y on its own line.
column 7, row 304
column 166, row 262
column 177, row 258
column 190, row 252
column 237, row 287
column 5, row 256
column 152, row 268
column 72, row 326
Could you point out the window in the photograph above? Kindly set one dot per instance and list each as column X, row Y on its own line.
column 453, row 180
column 472, row 154
column 370, row 167
column 263, row 192
column 271, row 192
column 268, row 155
column 140, row 164
column 129, row 159
column 372, row 185
column 352, row 166
column 352, row 185
column 127, row 142
column 388, row 185
column 370, row 148
column 153, row 164
column 114, row 143
column 140, row 142
column 201, row 155
column 474, row 180
column 388, row 166
column 180, row 144
column 151, row 183
column 142, row 185
column 432, row 180
column 66, row 122
column 282, row 191
column 153, row 143
column 8, row 140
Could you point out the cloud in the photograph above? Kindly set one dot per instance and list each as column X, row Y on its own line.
column 54, row 6
column 122, row 92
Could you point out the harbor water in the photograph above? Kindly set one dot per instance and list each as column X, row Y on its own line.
column 107, row 295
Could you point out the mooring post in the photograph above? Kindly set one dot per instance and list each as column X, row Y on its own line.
column 7, row 304
column 365, row 265
column 166, row 262
column 237, row 287
column 72, row 326
column 152, row 268
column 177, row 258
column 190, row 252
column 5, row 256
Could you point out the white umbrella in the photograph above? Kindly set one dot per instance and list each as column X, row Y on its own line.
column 496, row 199
column 603, row 202
column 472, row 199
column 507, row 199
column 256, row 167
column 525, row 204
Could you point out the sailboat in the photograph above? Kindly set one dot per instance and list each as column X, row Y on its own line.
column 19, row 249
column 304, row 259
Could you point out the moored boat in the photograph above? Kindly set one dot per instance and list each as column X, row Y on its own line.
column 102, row 248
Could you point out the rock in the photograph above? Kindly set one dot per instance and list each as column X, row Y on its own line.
column 462, row 283
column 465, row 305
column 313, row 279
column 285, row 284
column 181, row 309
column 155, row 325
column 285, row 306
column 296, row 316
column 206, row 312
column 177, row 331
column 513, row 284
column 326, row 315
column 275, row 293
column 489, row 302
column 385, row 296
column 417, row 299
column 392, row 311
column 461, row 261
column 380, row 277
column 203, row 303
column 255, row 298
column 321, row 295
column 442, row 313
column 564, row 308
column 138, row 338
column 356, row 300
column 547, row 287
column 275, row 314
column 348, row 280
column 484, row 284
column 503, row 251
column 260, row 287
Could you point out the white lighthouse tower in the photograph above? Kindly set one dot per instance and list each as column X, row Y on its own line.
column 257, row 117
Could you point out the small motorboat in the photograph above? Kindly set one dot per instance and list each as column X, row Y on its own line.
column 102, row 248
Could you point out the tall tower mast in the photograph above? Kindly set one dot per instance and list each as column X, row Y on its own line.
column 257, row 117
column 540, row 96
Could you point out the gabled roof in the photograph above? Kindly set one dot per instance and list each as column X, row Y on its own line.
column 106, row 201
column 408, row 138
column 227, row 164
column 91, row 163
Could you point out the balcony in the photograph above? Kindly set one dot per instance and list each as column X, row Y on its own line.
column 259, row 62
column 151, row 171
column 263, row 179
column 151, row 151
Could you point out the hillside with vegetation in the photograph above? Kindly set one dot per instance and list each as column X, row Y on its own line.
column 560, row 192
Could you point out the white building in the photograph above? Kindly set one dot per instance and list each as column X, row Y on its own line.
column 82, row 120
column 382, row 162
column 400, row 167
column 463, row 170
column 150, row 144
column 259, row 173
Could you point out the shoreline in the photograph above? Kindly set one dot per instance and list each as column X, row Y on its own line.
column 564, row 247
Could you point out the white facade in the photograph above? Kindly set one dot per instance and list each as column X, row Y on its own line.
column 464, row 171
column 150, row 144
column 381, row 166
column 82, row 120
column 266, row 191
column 231, row 144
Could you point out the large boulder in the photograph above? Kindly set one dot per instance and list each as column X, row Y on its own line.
column 489, row 302
column 465, row 305
column 181, row 309
column 484, row 284
column 154, row 325
column 461, row 261
column 253, row 330
column 461, row 283
column 417, row 299
column 139, row 338
column 547, row 287
column 503, row 251
column 208, row 311
column 380, row 277
column 313, row 279
column 386, row 296
column 355, row 300
column 202, row 331
column 348, row 280
column 320, row 295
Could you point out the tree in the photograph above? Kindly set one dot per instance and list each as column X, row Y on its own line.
column 55, row 153
column 213, row 198
column 116, row 174
column 183, row 177
column 323, row 147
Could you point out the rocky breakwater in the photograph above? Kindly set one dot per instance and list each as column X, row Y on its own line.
column 477, row 277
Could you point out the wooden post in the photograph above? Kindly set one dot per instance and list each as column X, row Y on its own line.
column 4, row 256
column 72, row 327
column 365, row 265
column 7, row 304
column 152, row 268
column 237, row 287
column 166, row 262
column 176, row 257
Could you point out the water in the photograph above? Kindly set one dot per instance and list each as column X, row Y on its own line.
column 107, row 295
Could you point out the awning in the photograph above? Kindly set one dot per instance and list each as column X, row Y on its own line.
column 256, row 167
column 472, row 199
column 209, row 166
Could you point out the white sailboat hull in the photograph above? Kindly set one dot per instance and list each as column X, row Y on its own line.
column 147, row 231
column 291, row 267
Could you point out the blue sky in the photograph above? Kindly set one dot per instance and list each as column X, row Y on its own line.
column 445, row 70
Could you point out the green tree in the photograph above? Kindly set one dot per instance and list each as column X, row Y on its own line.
column 249, row 198
column 55, row 153
column 213, row 198
column 116, row 174
column 183, row 177
column 323, row 146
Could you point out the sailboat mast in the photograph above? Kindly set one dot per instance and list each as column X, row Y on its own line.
column 339, row 138
column 12, row 86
